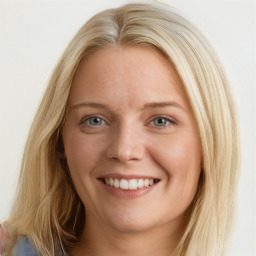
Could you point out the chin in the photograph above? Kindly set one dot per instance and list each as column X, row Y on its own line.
column 126, row 222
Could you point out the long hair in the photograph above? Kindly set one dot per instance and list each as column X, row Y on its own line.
column 47, row 208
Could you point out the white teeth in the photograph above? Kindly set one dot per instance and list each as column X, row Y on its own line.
column 116, row 183
column 123, row 184
column 131, row 184
column 140, row 183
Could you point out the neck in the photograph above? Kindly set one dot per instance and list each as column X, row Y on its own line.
column 98, row 240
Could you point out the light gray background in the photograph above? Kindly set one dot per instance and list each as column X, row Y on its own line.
column 33, row 34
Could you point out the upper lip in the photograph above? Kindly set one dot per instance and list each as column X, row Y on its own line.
column 127, row 176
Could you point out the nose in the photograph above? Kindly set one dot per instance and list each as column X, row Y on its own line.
column 126, row 145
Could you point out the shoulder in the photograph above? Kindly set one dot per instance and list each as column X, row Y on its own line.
column 25, row 248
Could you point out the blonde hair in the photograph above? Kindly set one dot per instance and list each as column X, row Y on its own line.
column 47, row 209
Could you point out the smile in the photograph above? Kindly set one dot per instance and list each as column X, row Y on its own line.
column 128, row 184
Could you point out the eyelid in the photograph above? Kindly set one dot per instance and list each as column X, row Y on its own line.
column 86, row 118
column 170, row 119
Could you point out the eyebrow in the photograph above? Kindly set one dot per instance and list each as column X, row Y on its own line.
column 163, row 104
column 89, row 104
column 150, row 105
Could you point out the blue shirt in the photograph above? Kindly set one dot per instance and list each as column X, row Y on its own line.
column 25, row 248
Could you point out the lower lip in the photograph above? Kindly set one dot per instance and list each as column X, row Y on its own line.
column 127, row 193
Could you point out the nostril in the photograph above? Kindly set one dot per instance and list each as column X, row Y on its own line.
column 125, row 147
column 122, row 155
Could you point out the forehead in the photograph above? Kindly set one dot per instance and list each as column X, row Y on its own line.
column 134, row 71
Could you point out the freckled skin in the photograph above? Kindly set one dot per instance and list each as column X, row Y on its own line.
column 128, row 141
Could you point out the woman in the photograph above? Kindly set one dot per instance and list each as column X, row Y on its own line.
column 134, row 149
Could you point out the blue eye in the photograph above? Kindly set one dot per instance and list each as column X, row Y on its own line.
column 93, row 124
column 95, row 120
column 160, row 121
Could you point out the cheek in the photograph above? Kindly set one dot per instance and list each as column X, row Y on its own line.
column 180, row 157
column 81, row 153
column 177, row 152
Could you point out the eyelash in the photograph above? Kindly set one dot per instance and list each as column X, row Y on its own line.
column 168, row 121
column 84, row 120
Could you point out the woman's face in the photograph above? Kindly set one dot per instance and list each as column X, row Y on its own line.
column 131, row 141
